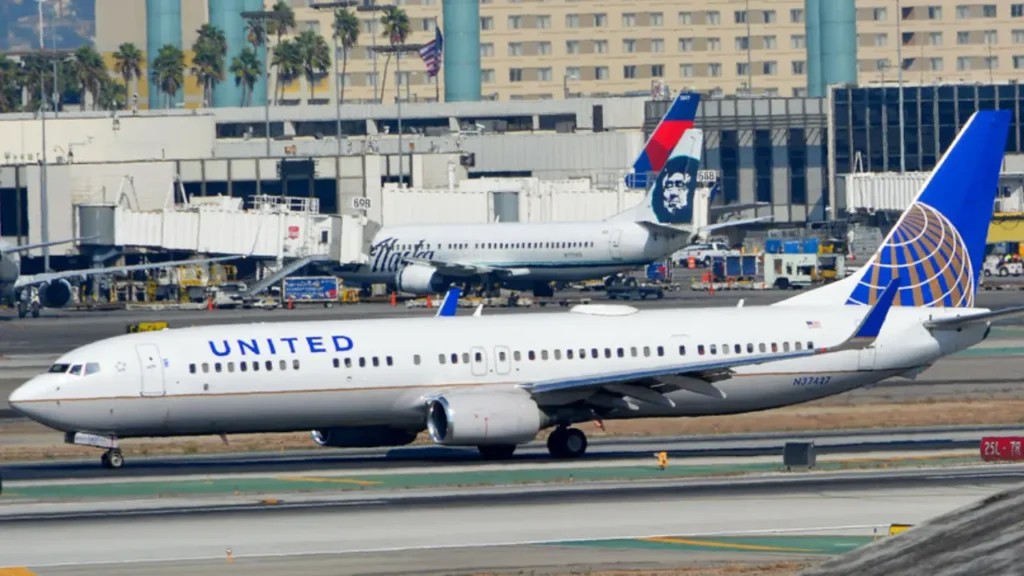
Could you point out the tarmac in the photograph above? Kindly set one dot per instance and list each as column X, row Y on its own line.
column 801, row 519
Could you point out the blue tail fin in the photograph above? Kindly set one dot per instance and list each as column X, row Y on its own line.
column 671, row 196
column 938, row 245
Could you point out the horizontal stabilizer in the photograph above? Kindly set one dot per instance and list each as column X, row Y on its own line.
column 871, row 326
column 959, row 321
column 734, row 223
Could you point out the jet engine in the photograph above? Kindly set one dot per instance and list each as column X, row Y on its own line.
column 363, row 437
column 55, row 294
column 480, row 419
column 419, row 279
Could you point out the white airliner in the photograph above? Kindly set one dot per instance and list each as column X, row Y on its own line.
column 426, row 259
column 494, row 382
column 53, row 288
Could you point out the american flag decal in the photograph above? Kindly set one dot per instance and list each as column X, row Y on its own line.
column 813, row 324
column 431, row 53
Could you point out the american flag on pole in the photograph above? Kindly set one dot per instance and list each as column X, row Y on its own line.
column 431, row 53
column 813, row 324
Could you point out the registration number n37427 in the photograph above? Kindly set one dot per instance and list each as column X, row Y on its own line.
column 811, row 380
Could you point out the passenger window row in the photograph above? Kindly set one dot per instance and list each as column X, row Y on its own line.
column 581, row 353
column 761, row 348
column 455, row 357
column 243, row 366
column 375, row 361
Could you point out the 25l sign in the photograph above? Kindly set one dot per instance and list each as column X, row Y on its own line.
column 361, row 203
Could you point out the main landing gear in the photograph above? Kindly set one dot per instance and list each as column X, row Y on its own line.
column 112, row 458
column 567, row 443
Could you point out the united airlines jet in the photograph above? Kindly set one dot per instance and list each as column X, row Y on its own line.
column 530, row 256
column 495, row 382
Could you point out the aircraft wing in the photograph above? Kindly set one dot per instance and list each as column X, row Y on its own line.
column 731, row 223
column 465, row 269
column 24, row 281
column 960, row 321
column 649, row 385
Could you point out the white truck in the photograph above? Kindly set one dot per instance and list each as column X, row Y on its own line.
column 703, row 253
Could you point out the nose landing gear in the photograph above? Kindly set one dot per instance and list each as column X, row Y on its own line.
column 112, row 459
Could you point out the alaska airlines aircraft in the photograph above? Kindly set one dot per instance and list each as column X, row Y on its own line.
column 494, row 382
column 53, row 287
column 529, row 256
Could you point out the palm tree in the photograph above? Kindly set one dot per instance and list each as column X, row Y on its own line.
column 282, row 21
column 11, row 81
column 247, row 70
column 288, row 62
column 128, row 63
column 168, row 71
column 396, row 28
column 90, row 72
column 209, row 50
column 346, row 30
column 113, row 95
column 316, row 57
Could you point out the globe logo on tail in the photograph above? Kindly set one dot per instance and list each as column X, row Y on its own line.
column 929, row 253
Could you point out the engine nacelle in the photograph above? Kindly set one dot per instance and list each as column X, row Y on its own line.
column 419, row 279
column 55, row 294
column 481, row 418
column 363, row 437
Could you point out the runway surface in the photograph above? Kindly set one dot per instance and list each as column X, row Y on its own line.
column 379, row 535
column 535, row 453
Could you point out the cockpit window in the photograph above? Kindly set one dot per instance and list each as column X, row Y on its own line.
column 59, row 368
column 92, row 368
column 76, row 370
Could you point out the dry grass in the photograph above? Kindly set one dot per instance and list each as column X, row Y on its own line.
column 797, row 418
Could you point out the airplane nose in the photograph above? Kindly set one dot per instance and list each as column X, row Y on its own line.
column 22, row 396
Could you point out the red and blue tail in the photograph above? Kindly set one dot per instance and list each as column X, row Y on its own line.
column 663, row 140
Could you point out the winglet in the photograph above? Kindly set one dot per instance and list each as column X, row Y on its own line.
column 450, row 303
column 871, row 326
column 479, row 311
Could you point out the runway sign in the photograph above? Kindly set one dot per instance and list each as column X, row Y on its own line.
column 1002, row 448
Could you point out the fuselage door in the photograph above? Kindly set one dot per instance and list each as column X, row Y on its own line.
column 478, row 361
column 502, row 361
column 615, row 243
column 152, row 370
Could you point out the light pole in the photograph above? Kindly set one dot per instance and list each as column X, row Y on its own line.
column 337, row 76
column 371, row 6
column 397, row 50
column 262, row 16
column 899, row 80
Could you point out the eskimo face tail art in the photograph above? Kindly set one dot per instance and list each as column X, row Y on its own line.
column 672, row 195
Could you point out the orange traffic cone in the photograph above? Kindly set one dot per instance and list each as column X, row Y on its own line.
column 429, row 303
column 209, row 303
column 394, row 299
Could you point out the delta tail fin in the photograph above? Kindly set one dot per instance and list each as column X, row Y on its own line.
column 937, row 247
column 656, row 151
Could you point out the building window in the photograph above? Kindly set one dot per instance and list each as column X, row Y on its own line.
column 543, row 22
column 740, row 17
column 798, row 42
column 600, row 20
column 1018, row 63
column 686, row 70
column 487, row 23
column 1018, row 36
column 487, row 76
column 486, row 50
column 544, row 74
column 963, row 63
column 572, row 73
column 1017, row 10
column 991, row 62
column 798, row 67
column 963, row 37
column 572, row 20
column 544, row 48
column 769, row 68
column 796, row 16
column 935, row 38
column 657, row 19
column 963, row 11
column 515, row 48
column 600, row 46
column 714, row 70
column 713, row 17
column 769, row 16
column 770, row 43
column 515, row 75
column 935, row 64
column 881, row 39
column 629, row 72
column 685, row 18
column 714, row 44
column 515, row 22
column 935, row 12
column 742, row 69
column 989, row 11
column 879, row 14
column 657, row 45
column 629, row 46
column 742, row 43
column 686, row 44
column 991, row 37
column 657, row 70
column 629, row 20
column 601, row 73
column 572, row 47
